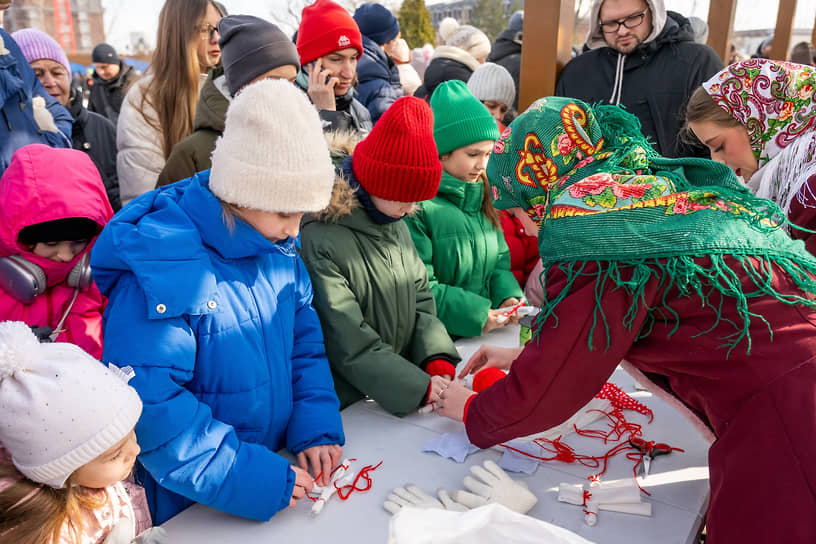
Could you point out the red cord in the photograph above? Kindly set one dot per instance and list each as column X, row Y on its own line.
column 353, row 486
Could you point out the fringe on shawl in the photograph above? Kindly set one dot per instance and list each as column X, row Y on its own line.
column 690, row 278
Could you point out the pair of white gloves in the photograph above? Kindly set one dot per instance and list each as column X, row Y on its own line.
column 493, row 486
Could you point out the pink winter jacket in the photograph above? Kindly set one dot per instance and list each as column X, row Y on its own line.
column 45, row 184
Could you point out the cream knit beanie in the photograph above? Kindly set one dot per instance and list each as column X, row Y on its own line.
column 272, row 156
column 494, row 83
column 59, row 407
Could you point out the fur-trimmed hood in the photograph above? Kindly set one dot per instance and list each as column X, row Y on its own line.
column 341, row 145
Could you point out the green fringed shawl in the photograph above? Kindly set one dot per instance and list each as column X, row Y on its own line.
column 603, row 195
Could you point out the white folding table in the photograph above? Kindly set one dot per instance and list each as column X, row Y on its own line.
column 678, row 482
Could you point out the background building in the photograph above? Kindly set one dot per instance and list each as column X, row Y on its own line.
column 78, row 25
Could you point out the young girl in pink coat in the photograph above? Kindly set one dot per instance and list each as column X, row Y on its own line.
column 54, row 206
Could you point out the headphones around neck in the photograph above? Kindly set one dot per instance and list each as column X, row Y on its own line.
column 24, row 280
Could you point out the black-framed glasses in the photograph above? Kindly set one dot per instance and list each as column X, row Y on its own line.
column 206, row 32
column 632, row 21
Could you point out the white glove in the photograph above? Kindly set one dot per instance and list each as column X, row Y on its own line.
column 411, row 495
column 496, row 487
column 42, row 116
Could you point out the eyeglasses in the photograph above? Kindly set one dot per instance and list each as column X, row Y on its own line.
column 207, row 31
column 632, row 21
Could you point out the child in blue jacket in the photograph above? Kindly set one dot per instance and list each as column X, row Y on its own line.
column 211, row 305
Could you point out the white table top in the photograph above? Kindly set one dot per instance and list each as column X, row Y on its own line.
column 678, row 482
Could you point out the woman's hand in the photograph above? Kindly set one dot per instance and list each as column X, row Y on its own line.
column 452, row 401
column 322, row 460
column 303, row 484
column 490, row 356
column 321, row 87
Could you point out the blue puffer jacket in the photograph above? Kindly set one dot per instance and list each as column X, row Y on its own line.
column 379, row 82
column 227, row 349
column 18, row 85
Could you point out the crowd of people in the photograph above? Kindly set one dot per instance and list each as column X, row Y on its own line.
column 205, row 265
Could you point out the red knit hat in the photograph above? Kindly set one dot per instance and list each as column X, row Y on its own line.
column 326, row 26
column 398, row 159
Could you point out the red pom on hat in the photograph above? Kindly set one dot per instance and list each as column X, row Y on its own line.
column 487, row 377
column 326, row 26
column 398, row 160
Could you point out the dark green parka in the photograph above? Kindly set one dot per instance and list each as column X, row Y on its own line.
column 376, row 308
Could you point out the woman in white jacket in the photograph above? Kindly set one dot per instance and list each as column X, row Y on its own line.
column 158, row 111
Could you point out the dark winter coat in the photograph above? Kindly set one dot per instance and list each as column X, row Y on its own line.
column 107, row 96
column 466, row 256
column 658, row 78
column 193, row 153
column 349, row 114
column 96, row 136
column 507, row 52
column 447, row 63
column 379, row 82
column 378, row 314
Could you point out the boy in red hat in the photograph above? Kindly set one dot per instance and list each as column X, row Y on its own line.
column 368, row 278
column 329, row 44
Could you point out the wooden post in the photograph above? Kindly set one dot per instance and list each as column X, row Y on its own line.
column 784, row 28
column 813, row 35
column 720, row 26
column 546, row 47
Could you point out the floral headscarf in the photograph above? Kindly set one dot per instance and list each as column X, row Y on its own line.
column 601, row 193
column 773, row 100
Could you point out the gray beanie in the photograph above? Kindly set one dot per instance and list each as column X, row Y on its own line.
column 516, row 21
column 493, row 82
column 251, row 46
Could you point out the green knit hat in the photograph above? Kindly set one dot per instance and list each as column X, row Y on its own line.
column 459, row 118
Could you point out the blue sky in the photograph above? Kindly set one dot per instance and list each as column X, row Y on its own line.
column 124, row 16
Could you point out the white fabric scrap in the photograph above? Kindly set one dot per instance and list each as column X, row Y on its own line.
column 490, row 524
column 621, row 496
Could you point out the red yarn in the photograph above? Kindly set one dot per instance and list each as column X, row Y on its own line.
column 622, row 400
column 487, row 377
column 440, row 367
column 346, row 490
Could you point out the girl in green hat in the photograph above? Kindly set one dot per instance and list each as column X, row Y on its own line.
column 673, row 266
column 458, row 234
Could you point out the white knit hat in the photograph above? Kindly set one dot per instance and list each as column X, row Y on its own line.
column 273, row 156
column 493, row 82
column 469, row 38
column 59, row 407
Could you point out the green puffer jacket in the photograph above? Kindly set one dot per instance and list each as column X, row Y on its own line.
column 466, row 256
column 192, row 154
column 377, row 311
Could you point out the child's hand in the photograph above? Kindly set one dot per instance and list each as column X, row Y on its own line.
column 321, row 87
column 509, row 319
column 490, row 356
column 303, row 484
column 452, row 401
column 322, row 460
column 493, row 321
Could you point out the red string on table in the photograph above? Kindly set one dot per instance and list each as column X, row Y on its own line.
column 346, row 490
